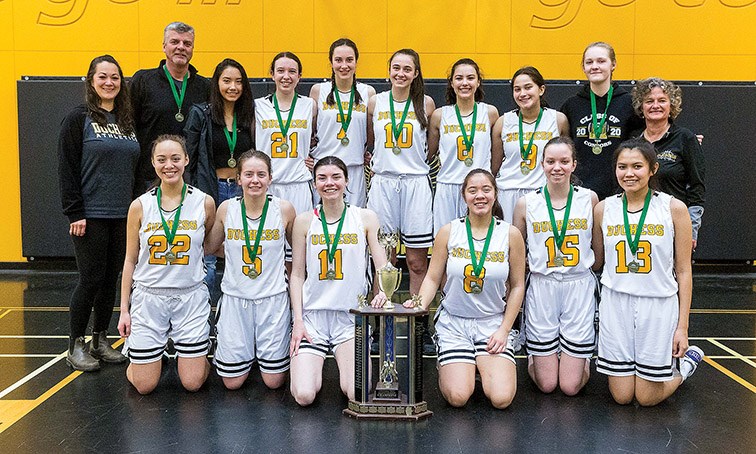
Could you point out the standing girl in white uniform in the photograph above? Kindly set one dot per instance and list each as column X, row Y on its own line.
column 162, row 290
column 461, row 146
column 646, row 238
column 253, row 318
column 519, row 137
column 329, row 272
column 342, row 117
column 560, row 303
column 400, row 192
column 484, row 261
column 283, row 131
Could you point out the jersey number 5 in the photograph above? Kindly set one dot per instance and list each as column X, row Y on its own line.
column 248, row 261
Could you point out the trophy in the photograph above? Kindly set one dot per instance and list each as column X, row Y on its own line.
column 389, row 276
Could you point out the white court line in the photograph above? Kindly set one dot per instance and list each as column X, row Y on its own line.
column 39, row 370
column 732, row 352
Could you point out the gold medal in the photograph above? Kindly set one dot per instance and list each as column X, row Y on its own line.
column 475, row 288
column 252, row 274
column 525, row 170
column 179, row 117
column 331, row 275
column 345, row 141
column 396, row 150
column 170, row 256
column 596, row 149
column 232, row 162
column 468, row 162
column 284, row 147
column 633, row 266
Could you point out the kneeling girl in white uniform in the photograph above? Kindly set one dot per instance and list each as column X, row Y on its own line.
column 560, row 301
column 329, row 272
column 646, row 238
column 162, row 290
column 482, row 256
column 253, row 319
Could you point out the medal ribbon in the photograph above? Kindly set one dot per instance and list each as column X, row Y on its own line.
column 345, row 119
column 231, row 140
column 598, row 127
column 284, row 127
column 177, row 96
column 524, row 151
column 253, row 251
column 396, row 132
column 170, row 233
column 478, row 266
column 465, row 138
column 331, row 251
column 558, row 236
column 633, row 242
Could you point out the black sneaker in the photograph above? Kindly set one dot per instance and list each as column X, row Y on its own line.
column 429, row 347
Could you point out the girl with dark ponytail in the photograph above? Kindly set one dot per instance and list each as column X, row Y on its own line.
column 400, row 192
column 342, row 117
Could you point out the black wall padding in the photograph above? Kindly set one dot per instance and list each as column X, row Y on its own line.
column 722, row 112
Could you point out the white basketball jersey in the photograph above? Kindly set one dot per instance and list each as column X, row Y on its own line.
column 576, row 247
column 349, row 264
column 452, row 150
column 412, row 142
column 153, row 268
column 459, row 299
column 510, row 174
column 288, row 166
column 329, row 129
column 655, row 254
column 269, row 262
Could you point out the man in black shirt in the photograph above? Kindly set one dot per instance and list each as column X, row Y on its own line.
column 162, row 96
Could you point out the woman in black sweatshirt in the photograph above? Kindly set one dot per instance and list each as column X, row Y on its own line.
column 97, row 157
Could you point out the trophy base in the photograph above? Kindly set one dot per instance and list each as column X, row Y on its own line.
column 388, row 411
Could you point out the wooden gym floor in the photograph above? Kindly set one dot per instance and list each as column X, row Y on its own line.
column 45, row 407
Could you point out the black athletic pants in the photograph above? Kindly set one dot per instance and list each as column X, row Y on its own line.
column 99, row 258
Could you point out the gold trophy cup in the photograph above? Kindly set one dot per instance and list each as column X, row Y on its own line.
column 389, row 276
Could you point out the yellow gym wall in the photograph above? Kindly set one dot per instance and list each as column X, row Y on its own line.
column 675, row 39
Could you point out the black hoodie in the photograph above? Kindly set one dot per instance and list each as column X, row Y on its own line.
column 595, row 171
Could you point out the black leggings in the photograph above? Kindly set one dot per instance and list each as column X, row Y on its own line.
column 99, row 257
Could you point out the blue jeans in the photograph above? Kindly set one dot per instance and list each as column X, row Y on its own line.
column 226, row 190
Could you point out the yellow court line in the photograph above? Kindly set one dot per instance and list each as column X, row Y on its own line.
column 24, row 407
column 730, row 374
column 723, row 311
column 5, row 313
column 732, row 352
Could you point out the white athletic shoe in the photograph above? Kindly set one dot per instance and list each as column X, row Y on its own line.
column 689, row 361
